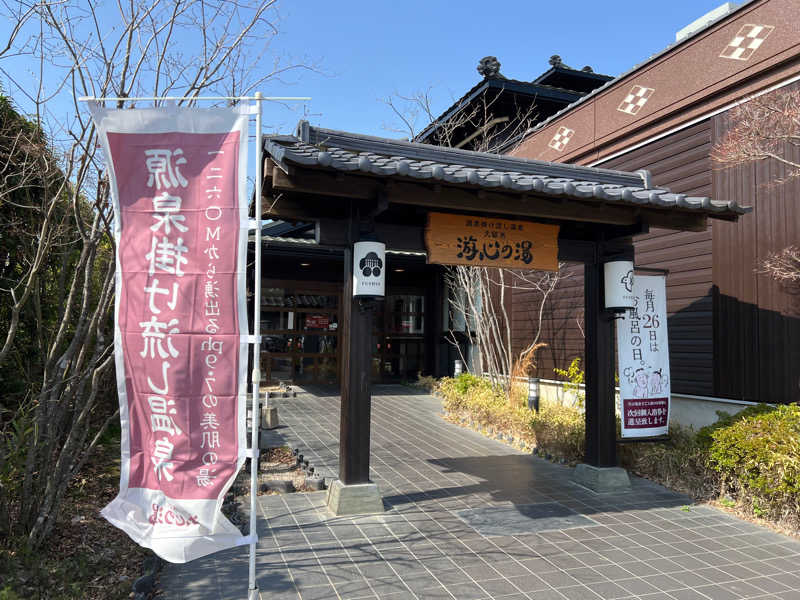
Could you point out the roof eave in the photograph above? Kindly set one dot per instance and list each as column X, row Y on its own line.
column 517, row 87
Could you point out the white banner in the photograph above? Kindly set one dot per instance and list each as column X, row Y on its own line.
column 643, row 350
column 177, row 179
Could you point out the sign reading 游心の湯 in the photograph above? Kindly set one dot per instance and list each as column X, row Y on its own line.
column 489, row 242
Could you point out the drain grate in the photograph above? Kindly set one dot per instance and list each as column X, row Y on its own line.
column 523, row 518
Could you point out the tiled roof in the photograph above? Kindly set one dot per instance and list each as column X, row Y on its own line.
column 342, row 151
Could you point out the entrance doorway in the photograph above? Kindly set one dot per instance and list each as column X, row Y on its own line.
column 300, row 331
column 398, row 350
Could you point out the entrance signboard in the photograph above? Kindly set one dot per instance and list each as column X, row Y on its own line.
column 488, row 242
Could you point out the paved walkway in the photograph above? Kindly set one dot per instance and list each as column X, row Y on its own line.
column 469, row 518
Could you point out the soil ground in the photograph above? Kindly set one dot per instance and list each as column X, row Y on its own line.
column 86, row 557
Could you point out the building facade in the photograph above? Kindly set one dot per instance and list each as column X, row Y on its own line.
column 734, row 332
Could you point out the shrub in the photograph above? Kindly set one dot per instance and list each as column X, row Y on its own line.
column 705, row 434
column 476, row 398
column 425, row 382
column 457, row 391
column 680, row 463
column 758, row 457
column 556, row 429
column 467, row 381
column 560, row 430
column 575, row 379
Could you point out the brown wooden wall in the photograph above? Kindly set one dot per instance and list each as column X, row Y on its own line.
column 560, row 327
column 757, row 328
column 680, row 162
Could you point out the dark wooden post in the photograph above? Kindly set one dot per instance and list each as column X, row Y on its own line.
column 356, row 338
column 601, row 435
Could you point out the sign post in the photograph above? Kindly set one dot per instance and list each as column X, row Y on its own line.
column 255, row 418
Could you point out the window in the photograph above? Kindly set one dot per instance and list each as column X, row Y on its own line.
column 300, row 333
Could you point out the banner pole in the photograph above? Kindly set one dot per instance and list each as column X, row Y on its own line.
column 256, row 375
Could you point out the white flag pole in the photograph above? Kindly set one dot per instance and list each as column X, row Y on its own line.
column 256, row 375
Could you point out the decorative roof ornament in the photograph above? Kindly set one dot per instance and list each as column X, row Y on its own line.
column 555, row 61
column 489, row 67
column 587, row 69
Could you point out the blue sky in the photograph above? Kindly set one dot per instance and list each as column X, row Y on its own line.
column 369, row 50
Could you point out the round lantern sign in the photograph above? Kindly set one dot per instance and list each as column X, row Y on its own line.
column 369, row 269
column 618, row 279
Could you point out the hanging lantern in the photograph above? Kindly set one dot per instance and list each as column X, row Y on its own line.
column 369, row 269
column 618, row 279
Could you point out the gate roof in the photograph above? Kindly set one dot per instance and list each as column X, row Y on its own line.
column 587, row 193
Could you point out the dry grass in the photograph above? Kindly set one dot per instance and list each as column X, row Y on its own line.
column 86, row 558
column 523, row 368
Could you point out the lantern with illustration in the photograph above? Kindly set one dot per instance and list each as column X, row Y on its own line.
column 618, row 280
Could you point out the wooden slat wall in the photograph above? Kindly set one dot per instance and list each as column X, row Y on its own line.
column 680, row 162
column 757, row 333
column 560, row 327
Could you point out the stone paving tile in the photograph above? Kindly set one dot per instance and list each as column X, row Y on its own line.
column 641, row 545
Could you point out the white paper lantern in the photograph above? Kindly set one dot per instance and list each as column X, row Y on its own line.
column 618, row 278
column 369, row 269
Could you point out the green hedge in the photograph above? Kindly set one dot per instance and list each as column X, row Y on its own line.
column 752, row 456
column 758, row 457
column 680, row 463
column 559, row 430
column 555, row 429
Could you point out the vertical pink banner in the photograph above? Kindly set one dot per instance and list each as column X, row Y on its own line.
column 181, row 327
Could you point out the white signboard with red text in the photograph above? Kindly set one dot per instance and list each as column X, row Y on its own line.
column 180, row 223
column 643, row 347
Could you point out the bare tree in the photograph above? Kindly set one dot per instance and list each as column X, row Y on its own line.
column 412, row 111
column 479, row 300
column 542, row 284
column 784, row 267
column 479, row 297
column 474, row 125
column 478, row 303
column 761, row 128
column 80, row 48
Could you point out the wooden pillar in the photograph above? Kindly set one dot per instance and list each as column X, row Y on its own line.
column 601, row 435
column 355, row 336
